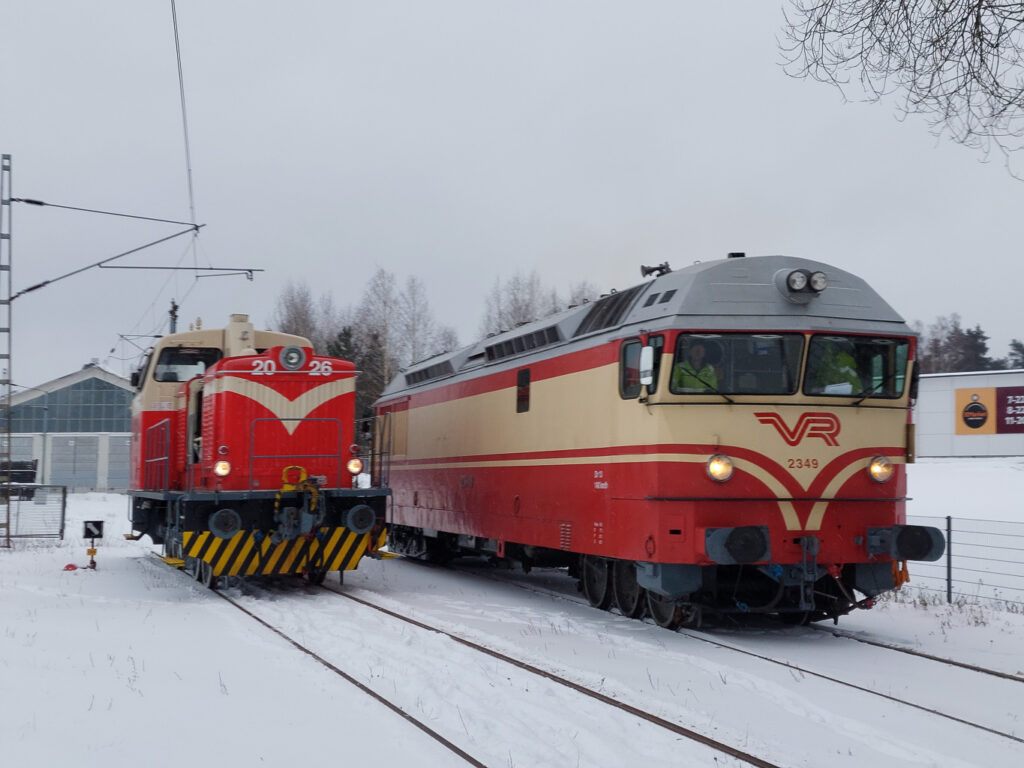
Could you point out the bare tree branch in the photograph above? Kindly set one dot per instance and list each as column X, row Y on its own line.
column 959, row 63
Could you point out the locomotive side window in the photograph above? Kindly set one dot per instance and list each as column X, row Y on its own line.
column 523, row 390
column 856, row 366
column 736, row 363
column 182, row 363
column 629, row 369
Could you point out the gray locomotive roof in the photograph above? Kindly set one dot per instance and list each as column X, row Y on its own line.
column 726, row 294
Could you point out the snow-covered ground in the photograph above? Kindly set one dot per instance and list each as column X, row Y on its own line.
column 132, row 663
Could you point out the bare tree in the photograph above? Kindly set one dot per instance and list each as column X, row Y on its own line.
column 582, row 291
column 388, row 329
column 419, row 334
column 376, row 322
column 960, row 63
column 514, row 301
column 294, row 312
column 297, row 312
column 415, row 322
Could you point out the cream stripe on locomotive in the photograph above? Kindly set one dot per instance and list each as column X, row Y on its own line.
column 278, row 404
column 242, row 555
column 583, row 410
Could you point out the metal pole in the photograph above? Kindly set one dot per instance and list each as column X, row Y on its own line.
column 46, row 415
column 949, row 559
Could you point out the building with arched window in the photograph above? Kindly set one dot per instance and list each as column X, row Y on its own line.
column 78, row 429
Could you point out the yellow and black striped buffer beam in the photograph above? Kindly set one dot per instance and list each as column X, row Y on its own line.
column 335, row 549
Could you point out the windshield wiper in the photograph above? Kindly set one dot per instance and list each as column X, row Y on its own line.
column 865, row 394
column 714, row 390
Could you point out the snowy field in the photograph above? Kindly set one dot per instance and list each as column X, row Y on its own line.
column 132, row 663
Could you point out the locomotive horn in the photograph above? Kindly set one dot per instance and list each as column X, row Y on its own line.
column 658, row 271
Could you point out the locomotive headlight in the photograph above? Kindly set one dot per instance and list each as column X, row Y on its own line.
column 797, row 280
column 720, row 467
column 292, row 358
column 819, row 282
column 354, row 466
column 880, row 469
column 222, row 468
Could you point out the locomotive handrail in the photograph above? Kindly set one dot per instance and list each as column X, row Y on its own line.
column 336, row 456
column 158, row 467
column 375, row 449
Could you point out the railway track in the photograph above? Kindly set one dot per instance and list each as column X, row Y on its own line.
column 586, row 691
column 708, row 639
column 444, row 736
column 414, row 721
column 674, row 728
column 920, row 654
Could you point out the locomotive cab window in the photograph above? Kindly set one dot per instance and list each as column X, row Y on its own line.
column 182, row 363
column 629, row 366
column 629, row 369
column 736, row 363
column 856, row 366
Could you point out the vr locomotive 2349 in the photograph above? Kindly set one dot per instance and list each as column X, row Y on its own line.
column 244, row 458
column 729, row 437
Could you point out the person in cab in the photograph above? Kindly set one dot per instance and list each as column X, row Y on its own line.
column 836, row 372
column 694, row 373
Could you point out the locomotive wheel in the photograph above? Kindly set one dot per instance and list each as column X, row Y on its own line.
column 316, row 575
column 629, row 595
column 205, row 575
column 594, row 578
column 665, row 612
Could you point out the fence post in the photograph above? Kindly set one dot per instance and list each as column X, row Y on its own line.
column 949, row 559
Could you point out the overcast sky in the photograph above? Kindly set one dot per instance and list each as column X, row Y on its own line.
column 460, row 140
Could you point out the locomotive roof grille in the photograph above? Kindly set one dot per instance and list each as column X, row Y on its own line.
column 524, row 343
column 609, row 311
column 435, row 371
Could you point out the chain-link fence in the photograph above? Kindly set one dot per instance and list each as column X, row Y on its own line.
column 37, row 511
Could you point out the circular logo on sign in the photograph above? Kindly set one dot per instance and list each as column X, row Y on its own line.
column 975, row 414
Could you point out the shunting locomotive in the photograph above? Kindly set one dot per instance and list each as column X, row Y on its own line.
column 245, row 458
column 731, row 437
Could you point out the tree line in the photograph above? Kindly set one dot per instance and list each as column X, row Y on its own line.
column 393, row 326
column 946, row 346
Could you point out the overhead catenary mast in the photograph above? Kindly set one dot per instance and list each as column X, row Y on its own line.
column 5, row 346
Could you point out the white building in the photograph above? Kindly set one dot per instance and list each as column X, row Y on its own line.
column 970, row 414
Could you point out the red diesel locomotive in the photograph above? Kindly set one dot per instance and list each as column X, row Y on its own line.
column 729, row 437
column 244, row 456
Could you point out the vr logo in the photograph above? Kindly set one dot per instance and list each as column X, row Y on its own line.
column 823, row 425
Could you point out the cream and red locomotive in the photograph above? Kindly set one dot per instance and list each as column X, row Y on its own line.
column 244, row 456
column 729, row 437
